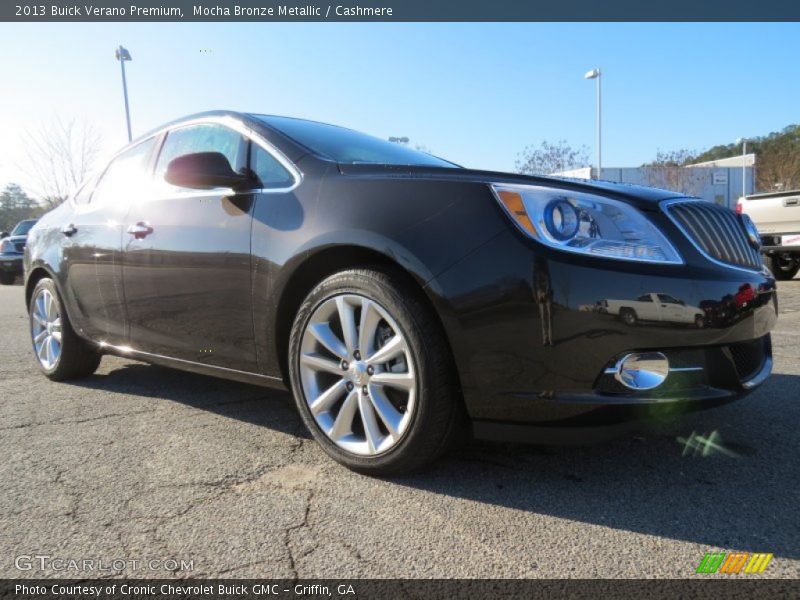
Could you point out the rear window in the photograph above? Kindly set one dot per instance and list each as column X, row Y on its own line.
column 348, row 146
column 23, row 227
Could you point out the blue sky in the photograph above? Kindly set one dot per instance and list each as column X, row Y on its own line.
column 474, row 93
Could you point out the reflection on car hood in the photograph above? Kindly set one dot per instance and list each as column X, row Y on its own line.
column 640, row 196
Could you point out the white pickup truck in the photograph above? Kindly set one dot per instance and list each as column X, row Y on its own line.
column 654, row 307
column 777, row 218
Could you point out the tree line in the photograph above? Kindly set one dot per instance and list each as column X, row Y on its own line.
column 777, row 161
column 777, row 158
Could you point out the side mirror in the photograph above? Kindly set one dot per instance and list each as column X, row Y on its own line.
column 3, row 235
column 205, row 170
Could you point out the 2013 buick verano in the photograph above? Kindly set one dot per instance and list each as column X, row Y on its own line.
column 400, row 297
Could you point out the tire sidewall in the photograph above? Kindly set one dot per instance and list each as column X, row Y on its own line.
column 780, row 270
column 352, row 282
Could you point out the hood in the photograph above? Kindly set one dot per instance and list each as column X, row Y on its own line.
column 644, row 198
column 18, row 241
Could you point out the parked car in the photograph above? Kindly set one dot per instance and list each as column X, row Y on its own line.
column 655, row 307
column 400, row 297
column 777, row 218
column 11, row 251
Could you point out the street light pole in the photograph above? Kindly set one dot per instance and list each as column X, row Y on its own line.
column 595, row 74
column 122, row 55
column 744, row 166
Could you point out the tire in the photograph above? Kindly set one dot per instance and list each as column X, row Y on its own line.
column 7, row 278
column 628, row 316
column 425, row 412
column 784, row 266
column 69, row 358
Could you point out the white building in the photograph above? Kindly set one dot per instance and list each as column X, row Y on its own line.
column 717, row 181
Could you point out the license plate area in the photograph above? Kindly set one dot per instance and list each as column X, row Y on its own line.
column 790, row 240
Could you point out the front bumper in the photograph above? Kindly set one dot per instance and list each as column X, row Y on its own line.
column 11, row 263
column 532, row 342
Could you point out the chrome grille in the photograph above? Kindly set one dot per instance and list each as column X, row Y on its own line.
column 716, row 231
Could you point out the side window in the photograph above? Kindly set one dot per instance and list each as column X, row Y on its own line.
column 645, row 298
column 271, row 173
column 666, row 299
column 125, row 176
column 202, row 138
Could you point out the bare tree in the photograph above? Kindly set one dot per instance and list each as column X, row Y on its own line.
column 551, row 158
column 669, row 171
column 59, row 156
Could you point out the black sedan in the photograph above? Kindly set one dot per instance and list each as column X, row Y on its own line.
column 11, row 251
column 401, row 298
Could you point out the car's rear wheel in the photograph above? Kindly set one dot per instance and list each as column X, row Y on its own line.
column 7, row 278
column 60, row 352
column 372, row 374
column 783, row 265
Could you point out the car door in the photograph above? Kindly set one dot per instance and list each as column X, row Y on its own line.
column 92, row 242
column 646, row 309
column 186, row 260
column 673, row 311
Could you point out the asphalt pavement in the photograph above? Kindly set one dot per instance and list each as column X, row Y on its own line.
column 208, row 477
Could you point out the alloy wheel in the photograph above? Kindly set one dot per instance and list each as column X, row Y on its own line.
column 357, row 374
column 46, row 329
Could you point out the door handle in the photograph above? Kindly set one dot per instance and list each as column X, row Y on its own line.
column 141, row 230
column 68, row 230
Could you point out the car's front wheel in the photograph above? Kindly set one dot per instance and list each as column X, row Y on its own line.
column 372, row 373
column 60, row 352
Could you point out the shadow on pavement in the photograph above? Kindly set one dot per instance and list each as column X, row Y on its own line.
column 723, row 478
column 247, row 403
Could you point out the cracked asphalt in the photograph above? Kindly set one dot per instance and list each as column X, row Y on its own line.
column 141, row 462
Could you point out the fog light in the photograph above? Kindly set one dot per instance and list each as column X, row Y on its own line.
column 642, row 371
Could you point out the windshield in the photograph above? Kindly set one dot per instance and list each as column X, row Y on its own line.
column 348, row 146
column 23, row 227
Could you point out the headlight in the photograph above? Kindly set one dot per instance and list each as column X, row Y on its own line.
column 585, row 224
column 7, row 246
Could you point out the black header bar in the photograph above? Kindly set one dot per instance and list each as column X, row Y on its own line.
column 397, row 10
column 712, row 587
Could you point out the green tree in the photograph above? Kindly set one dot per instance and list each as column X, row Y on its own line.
column 16, row 205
